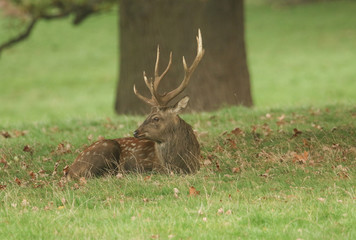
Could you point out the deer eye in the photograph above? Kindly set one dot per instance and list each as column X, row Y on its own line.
column 156, row 119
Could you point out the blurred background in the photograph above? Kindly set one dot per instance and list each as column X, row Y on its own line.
column 299, row 53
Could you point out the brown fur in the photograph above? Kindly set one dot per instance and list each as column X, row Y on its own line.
column 164, row 146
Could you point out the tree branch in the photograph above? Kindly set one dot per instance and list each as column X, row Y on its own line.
column 20, row 37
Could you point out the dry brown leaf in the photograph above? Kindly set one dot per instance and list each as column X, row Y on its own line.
column 62, row 148
column 32, row 175
column 5, row 134
column 3, row 161
column 119, row 175
column 2, row 187
column 82, row 181
column 193, row 192
column 301, row 158
column 296, row 132
column 232, row 143
column 27, row 148
column 238, row 131
column 18, row 181
column 19, row 133
column 207, row 162
column 176, row 192
column 220, row 211
column 236, row 170
column 25, row 203
column 217, row 164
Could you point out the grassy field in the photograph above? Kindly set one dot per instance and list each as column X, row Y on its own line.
column 265, row 175
column 284, row 169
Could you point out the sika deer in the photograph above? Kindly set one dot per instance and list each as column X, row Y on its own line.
column 163, row 143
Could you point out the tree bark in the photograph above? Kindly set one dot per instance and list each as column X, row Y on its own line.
column 221, row 79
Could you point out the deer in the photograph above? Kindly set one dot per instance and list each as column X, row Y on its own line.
column 163, row 143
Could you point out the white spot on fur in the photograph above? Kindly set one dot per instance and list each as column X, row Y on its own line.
column 105, row 144
column 88, row 153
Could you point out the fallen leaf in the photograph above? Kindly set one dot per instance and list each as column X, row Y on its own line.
column 147, row 178
column 228, row 212
column 296, row 132
column 24, row 165
column 32, row 175
column 18, row 181
column 193, row 192
column 217, row 164
column 321, row 199
column 25, row 203
column 301, row 158
column 237, row 131
column 207, row 162
column 220, row 211
column 62, row 148
column 100, row 138
column 232, row 143
column 317, row 126
column 55, row 168
column 82, row 181
column 2, row 187
column 176, row 192
column 119, row 175
column 90, row 137
column 27, row 148
column 19, row 133
column 42, row 173
column 281, row 120
column 235, row 169
column 3, row 161
column 5, row 134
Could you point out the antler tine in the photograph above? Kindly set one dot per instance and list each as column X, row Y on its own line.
column 158, row 77
column 188, row 71
column 149, row 101
column 163, row 100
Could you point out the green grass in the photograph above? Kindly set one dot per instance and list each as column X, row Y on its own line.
column 276, row 193
column 267, row 181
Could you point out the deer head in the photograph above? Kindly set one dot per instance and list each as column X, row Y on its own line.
column 163, row 119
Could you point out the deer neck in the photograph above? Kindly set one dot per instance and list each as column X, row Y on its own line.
column 181, row 149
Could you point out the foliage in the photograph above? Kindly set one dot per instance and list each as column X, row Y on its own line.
column 32, row 11
column 272, row 174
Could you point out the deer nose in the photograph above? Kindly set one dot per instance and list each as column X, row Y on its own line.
column 135, row 133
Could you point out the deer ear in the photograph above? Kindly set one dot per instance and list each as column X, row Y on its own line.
column 181, row 105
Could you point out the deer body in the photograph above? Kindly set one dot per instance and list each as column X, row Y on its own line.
column 164, row 142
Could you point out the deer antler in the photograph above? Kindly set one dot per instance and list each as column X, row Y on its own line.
column 162, row 100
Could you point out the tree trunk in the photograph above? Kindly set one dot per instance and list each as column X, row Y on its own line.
column 221, row 79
